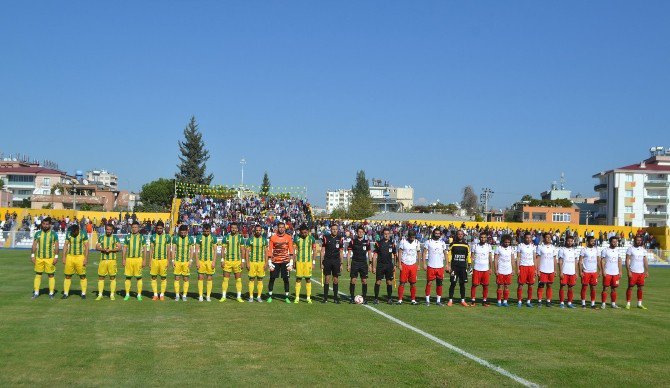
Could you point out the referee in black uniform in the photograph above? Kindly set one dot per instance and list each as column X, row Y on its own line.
column 331, row 262
column 383, row 264
column 358, row 264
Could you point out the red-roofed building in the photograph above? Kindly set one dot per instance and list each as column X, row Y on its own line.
column 636, row 194
column 25, row 179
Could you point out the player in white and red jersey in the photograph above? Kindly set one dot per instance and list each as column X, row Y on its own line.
column 525, row 268
column 434, row 257
column 504, row 261
column 610, row 263
column 637, row 267
column 407, row 255
column 546, row 263
column 482, row 254
column 588, row 270
column 567, row 263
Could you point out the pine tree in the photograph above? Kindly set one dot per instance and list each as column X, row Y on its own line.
column 193, row 158
column 361, row 202
column 265, row 186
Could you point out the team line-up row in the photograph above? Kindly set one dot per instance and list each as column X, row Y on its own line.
column 281, row 254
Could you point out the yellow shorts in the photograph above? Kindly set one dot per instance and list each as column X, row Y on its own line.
column 159, row 267
column 256, row 270
column 303, row 269
column 205, row 267
column 181, row 268
column 133, row 267
column 107, row 268
column 232, row 266
column 45, row 265
column 74, row 265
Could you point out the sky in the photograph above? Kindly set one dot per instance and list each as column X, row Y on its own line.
column 432, row 94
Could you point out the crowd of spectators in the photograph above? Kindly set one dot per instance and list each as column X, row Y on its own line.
column 246, row 212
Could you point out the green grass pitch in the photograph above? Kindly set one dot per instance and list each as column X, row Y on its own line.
column 84, row 342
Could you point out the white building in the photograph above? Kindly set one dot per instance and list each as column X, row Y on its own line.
column 338, row 199
column 385, row 197
column 103, row 177
column 635, row 195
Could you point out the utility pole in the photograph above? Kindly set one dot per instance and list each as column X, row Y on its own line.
column 484, row 198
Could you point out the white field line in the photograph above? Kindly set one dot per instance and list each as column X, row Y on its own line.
column 449, row 346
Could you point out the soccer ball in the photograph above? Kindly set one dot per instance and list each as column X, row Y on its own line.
column 358, row 299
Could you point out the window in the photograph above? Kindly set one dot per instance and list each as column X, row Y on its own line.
column 24, row 192
column 629, row 193
column 526, row 215
column 629, row 209
column 539, row 216
column 45, row 192
column 46, row 182
column 629, row 177
column 561, row 217
column 20, row 178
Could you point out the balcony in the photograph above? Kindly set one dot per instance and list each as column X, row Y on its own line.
column 657, row 183
column 656, row 200
column 600, row 201
column 602, row 186
column 660, row 215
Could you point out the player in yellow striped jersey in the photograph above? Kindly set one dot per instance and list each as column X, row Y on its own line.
column 232, row 261
column 182, row 258
column 305, row 246
column 134, row 258
column 108, row 246
column 256, row 252
column 205, row 259
column 44, row 257
column 159, row 253
column 75, row 258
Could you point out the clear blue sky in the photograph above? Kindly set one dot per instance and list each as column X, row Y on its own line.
column 433, row 94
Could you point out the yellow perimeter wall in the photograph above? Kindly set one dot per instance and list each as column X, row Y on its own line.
column 92, row 215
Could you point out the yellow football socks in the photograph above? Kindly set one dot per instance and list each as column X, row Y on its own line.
column 209, row 288
column 163, row 286
column 139, row 286
column 298, row 285
column 101, row 286
column 225, row 286
column 52, row 285
column 154, row 286
column 176, row 287
column 84, row 285
column 260, row 288
column 200, row 287
column 251, row 287
column 112, row 286
column 37, row 282
column 185, row 287
column 127, row 283
column 66, row 285
column 308, row 288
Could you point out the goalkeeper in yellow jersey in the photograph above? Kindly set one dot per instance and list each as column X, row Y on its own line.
column 205, row 259
column 75, row 258
column 256, row 247
column 159, row 252
column 182, row 258
column 305, row 246
column 45, row 256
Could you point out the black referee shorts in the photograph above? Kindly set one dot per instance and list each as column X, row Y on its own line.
column 331, row 268
column 359, row 268
column 280, row 270
column 384, row 272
